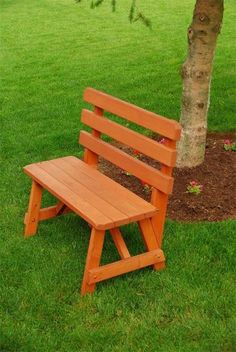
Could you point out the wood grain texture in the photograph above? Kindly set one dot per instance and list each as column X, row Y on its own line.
column 32, row 218
column 125, row 265
column 149, row 238
column 160, row 199
column 143, row 144
column 90, row 157
column 128, row 203
column 82, row 207
column 84, row 193
column 50, row 212
column 92, row 197
column 93, row 259
column 156, row 123
column 119, row 243
column 141, row 170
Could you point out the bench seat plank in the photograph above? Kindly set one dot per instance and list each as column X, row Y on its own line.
column 76, row 184
column 103, row 186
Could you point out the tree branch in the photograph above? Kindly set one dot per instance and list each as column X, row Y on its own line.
column 134, row 14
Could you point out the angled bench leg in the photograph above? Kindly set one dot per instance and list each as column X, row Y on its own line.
column 119, row 243
column 32, row 218
column 150, row 240
column 93, row 258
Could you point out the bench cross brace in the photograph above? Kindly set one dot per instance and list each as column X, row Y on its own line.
column 95, row 273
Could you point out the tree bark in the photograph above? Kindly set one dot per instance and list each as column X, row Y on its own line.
column 196, row 75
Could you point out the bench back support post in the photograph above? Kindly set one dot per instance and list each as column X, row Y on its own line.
column 90, row 157
column 160, row 200
column 160, row 180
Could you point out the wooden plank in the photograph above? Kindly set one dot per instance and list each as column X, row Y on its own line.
column 61, row 208
column 141, row 170
column 49, row 213
column 89, row 157
column 120, row 243
column 150, row 240
column 103, row 180
column 143, row 144
column 148, row 234
column 124, row 266
column 93, row 258
column 46, row 213
column 32, row 218
column 128, row 203
column 159, row 124
column 85, row 194
column 160, row 200
column 81, row 207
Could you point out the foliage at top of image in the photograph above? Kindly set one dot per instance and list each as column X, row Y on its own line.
column 134, row 13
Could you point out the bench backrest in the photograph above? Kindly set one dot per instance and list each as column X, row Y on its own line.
column 164, row 153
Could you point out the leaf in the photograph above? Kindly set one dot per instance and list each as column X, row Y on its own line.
column 96, row 3
column 143, row 19
column 132, row 11
column 113, row 5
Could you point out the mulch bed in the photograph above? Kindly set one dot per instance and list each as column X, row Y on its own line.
column 217, row 174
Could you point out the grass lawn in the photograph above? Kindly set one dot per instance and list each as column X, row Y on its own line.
column 50, row 51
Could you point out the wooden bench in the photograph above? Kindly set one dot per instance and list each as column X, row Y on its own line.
column 102, row 202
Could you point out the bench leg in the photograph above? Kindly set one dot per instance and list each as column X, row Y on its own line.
column 150, row 240
column 93, row 258
column 119, row 243
column 32, row 218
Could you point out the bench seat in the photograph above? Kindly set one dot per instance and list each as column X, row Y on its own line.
column 99, row 200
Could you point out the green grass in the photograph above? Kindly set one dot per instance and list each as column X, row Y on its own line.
column 50, row 51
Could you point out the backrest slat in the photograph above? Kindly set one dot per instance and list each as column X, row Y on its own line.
column 141, row 170
column 131, row 138
column 159, row 124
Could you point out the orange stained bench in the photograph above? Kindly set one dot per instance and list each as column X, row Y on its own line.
column 106, row 205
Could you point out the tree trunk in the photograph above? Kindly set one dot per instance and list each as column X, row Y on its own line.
column 196, row 75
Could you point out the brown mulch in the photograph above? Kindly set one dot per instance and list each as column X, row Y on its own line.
column 217, row 174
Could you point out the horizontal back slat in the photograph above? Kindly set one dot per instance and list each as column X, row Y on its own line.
column 126, row 162
column 133, row 139
column 159, row 124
